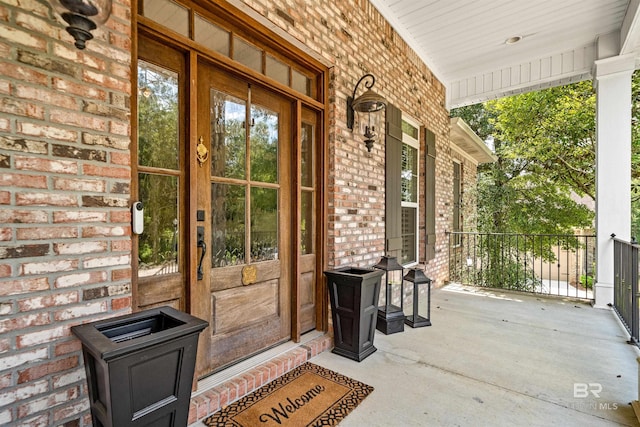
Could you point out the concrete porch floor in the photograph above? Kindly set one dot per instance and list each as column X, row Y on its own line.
column 495, row 358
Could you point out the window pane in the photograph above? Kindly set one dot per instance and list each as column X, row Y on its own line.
column 158, row 117
column 227, row 225
column 247, row 54
column 410, row 130
column 409, row 234
column 158, row 244
column 228, row 140
column 169, row 14
column 264, row 144
column 307, row 142
column 409, row 174
column 306, row 227
column 211, row 36
column 264, row 224
column 277, row 70
column 300, row 82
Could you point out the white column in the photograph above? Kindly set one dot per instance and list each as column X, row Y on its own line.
column 613, row 166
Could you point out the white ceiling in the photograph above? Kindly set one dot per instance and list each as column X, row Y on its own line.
column 463, row 41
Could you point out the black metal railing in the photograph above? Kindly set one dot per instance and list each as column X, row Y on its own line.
column 625, row 285
column 552, row 264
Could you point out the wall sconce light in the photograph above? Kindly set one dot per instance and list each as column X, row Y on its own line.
column 83, row 16
column 370, row 103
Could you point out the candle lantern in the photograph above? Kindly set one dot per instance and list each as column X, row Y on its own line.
column 417, row 277
column 390, row 316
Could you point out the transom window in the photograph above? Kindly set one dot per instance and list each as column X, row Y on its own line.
column 176, row 17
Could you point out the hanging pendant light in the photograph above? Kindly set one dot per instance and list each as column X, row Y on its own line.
column 82, row 17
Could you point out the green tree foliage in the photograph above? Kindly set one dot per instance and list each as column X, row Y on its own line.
column 544, row 142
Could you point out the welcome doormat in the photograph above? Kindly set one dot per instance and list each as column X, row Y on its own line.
column 309, row 395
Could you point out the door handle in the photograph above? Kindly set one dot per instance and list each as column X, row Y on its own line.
column 201, row 244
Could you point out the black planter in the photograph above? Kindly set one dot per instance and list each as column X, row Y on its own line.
column 140, row 367
column 354, row 307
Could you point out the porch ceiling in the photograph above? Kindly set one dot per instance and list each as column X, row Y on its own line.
column 464, row 41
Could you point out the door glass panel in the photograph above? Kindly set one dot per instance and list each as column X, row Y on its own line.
column 228, row 139
column 307, row 155
column 264, row 145
column 211, row 36
column 228, row 224
column 158, row 111
column 306, row 227
column 158, row 244
column 264, row 224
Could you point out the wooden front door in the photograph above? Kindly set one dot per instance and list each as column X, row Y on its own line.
column 244, row 202
column 230, row 176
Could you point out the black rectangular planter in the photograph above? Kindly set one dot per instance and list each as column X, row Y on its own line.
column 140, row 367
column 354, row 307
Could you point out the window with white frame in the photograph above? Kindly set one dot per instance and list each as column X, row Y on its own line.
column 410, row 190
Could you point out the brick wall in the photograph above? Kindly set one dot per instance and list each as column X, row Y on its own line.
column 65, row 175
column 354, row 37
column 64, row 195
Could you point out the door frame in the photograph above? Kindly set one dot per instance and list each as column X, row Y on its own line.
column 271, row 42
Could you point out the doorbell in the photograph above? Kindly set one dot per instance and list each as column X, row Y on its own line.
column 137, row 218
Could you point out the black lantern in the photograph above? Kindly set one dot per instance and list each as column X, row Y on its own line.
column 83, row 16
column 368, row 103
column 390, row 317
column 418, row 278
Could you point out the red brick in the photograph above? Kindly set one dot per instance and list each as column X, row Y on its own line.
column 84, row 185
column 22, row 108
column 44, row 267
column 106, row 171
column 5, row 197
column 49, row 401
column 74, row 119
column 121, row 303
column 23, row 286
column 123, row 159
column 84, row 90
column 5, row 270
column 50, row 300
column 121, row 245
column 20, row 37
column 80, row 278
column 120, row 216
column 15, row 216
column 42, row 337
column 46, row 131
column 67, row 347
column 46, row 165
column 45, row 199
column 47, row 233
column 122, row 274
column 22, row 322
column 38, row 371
column 105, row 231
column 23, row 73
column 6, row 234
column 79, row 216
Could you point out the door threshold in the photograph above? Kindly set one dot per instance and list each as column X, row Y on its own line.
column 229, row 385
column 250, row 363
